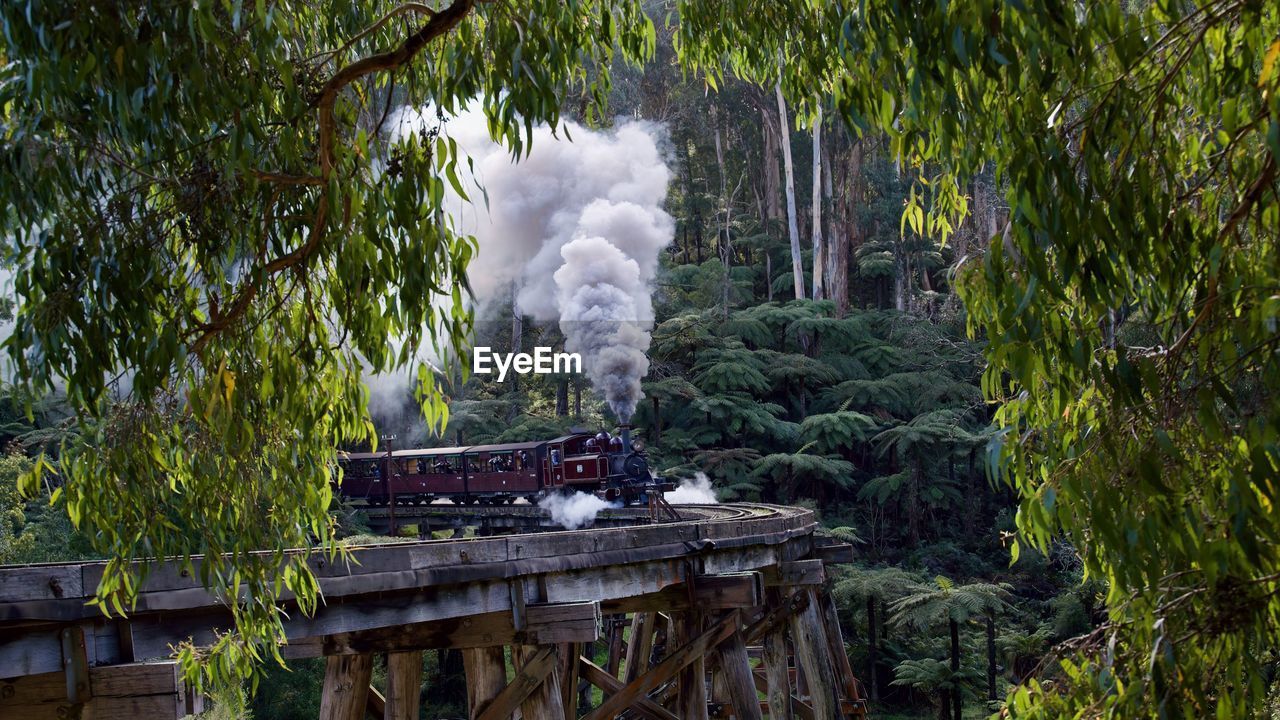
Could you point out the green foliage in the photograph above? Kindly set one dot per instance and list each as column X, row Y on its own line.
column 1129, row 303
column 17, row 541
column 204, row 199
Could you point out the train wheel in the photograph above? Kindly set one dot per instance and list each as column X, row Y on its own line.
column 458, row 500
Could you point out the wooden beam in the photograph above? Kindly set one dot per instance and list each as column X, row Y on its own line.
column 801, row 710
column 404, row 685
column 545, row 624
column 691, row 703
column 727, row 591
column 346, row 687
column 796, row 572
column 810, row 639
column 120, row 692
column 841, row 554
column 545, row 701
column 777, row 681
column 614, row 663
column 486, row 670
column 611, row 685
column 647, row 682
column 375, row 704
column 835, row 644
column 569, row 655
column 526, row 680
column 735, row 668
column 640, row 645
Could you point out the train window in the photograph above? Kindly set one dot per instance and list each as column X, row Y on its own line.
column 421, row 464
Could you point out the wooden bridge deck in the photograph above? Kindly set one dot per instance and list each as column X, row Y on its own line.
column 713, row 577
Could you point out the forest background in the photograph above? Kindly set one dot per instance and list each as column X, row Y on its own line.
column 1121, row 305
column 860, row 400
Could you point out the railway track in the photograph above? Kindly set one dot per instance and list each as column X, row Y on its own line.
column 541, row 588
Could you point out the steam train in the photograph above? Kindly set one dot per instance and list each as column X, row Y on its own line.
column 608, row 465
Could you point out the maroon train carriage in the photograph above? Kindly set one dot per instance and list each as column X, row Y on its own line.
column 496, row 474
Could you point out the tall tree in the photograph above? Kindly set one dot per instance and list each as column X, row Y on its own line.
column 953, row 605
column 793, row 230
column 819, row 253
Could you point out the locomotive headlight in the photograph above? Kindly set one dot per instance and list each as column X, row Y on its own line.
column 637, row 445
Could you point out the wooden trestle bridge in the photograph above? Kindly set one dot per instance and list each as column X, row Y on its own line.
column 700, row 617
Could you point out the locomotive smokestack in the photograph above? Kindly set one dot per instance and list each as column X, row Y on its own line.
column 626, row 437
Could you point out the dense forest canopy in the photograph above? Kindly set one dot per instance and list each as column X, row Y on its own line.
column 1040, row 245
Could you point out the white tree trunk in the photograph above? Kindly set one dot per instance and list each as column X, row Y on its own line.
column 797, row 265
column 819, row 256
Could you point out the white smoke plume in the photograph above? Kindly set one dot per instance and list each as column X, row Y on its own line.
column 576, row 226
column 574, row 511
column 693, row 491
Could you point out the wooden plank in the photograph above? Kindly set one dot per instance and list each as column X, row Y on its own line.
column 835, row 644
column 647, row 682
column 404, row 685
column 735, row 669
column 797, row 572
column 841, row 554
column 545, row 702
column 691, row 702
column 41, row 582
column 728, row 591
column 129, row 692
column 815, row 661
column 639, row 646
column 526, row 680
column 616, row 627
column 569, row 655
column 375, row 705
column 486, row 676
column 75, row 665
column 777, row 681
column 346, row 687
column 544, row 624
column 801, row 710
column 610, row 685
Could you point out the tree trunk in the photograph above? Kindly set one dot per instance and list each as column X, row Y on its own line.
column 562, row 397
column 726, row 245
column 991, row 656
column 872, row 648
column 657, row 421
column 955, row 668
column 837, row 250
column 797, row 265
column 577, row 400
column 819, row 256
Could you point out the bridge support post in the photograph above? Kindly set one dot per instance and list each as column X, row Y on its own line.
column 545, row 702
column 486, row 676
column 404, row 685
column 569, row 655
column 810, row 640
column 641, row 645
column 692, row 701
column 777, row 674
column 346, row 687
column 735, row 669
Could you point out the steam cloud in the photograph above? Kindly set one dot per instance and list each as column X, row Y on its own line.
column 574, row 511
column 695, row 491
column 576, row 227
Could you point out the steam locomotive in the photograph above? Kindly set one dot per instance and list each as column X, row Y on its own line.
column 608, row 465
